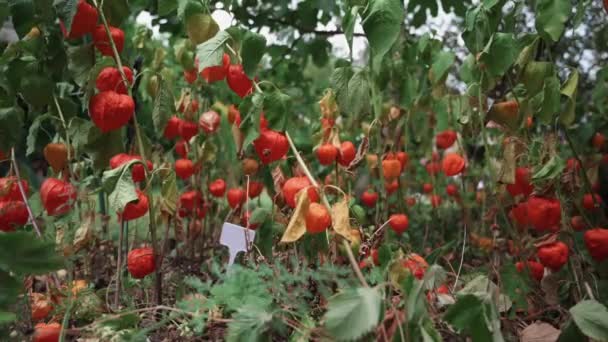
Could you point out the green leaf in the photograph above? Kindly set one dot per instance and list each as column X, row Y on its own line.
column 169, row 193
column 516, row 285
column 210, row 53
column 7, row 317
column 353, row 313
column 164, row 106
column 81, row 59
column 591, row 317
column 550, row 170
column 551, row 17
column 104, row 146
column 348, row 24
column 11, row 127
column 33, row 131
column 382, row 24
column 251, row 109
column 116, row 11
column 9, row 289
column 23, row 15
column 277, row 106
column 470, row 315
column 249, row 324
column 167, row 7
column 569, row 89
column 37, row 90
column 550, row 100
column 23, row 253
column 252, row 50
column 358, row 93
column 441, row 64
column 120, row 187
column 339, row 83
column 500, row 53
column 259, row 216
column 534, row 76
column 66, row 9
column 81, row 132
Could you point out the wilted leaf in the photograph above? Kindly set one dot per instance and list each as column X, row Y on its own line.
column 297, row 225
column 340, row 218
column 353, row 313
column 84, row 233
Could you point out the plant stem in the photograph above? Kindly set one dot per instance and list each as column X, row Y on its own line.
column 152, row 226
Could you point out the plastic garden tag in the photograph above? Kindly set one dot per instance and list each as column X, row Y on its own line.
column 237, row 239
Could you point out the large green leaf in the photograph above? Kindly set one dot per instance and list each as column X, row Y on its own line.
column 116, row 11
column 33, row 131
column 23, row 16
column 382, row 24
column 353, row 313
column 500, row 53
column 164, row 106
column 120, row 187
column 547, row 103
column 569, row 89
column 551, row 17
column 81, row 59
column 591, row 317
column 339, row 83
column 9, row 289
column 11, row 127
column 210, row 53
column 441, row 64
column 252, row 50
column 277, row 106
column 358, row 93
column 475, row 316
column 24, row 253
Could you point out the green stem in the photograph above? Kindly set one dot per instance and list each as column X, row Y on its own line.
column 152, row 226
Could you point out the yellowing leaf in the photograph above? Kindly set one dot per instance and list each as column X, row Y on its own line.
column 83, row 234
column 341, row 220
column 297, row 225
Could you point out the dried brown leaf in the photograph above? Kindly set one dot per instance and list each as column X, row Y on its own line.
column 297, row 225
column 84, row 234
column 341, row 220
column 509, row 163
column 540, row 332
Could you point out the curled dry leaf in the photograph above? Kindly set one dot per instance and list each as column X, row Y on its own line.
column 238, row 138
column 297, row 225
column 341, row 220
column 83, row 234
column 540, row 332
